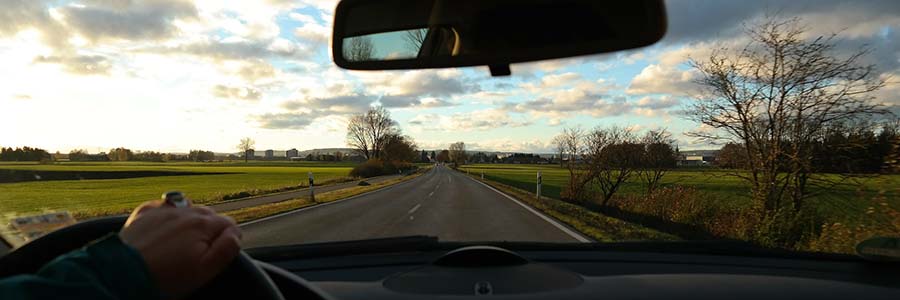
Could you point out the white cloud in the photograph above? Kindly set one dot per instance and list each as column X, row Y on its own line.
column 663, row 79
column 478, row 120
column 231, row 92
column 311, row 30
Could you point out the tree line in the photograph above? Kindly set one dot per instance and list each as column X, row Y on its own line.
column 115, row 154
column 24, row 154
column 601, row 160
column 862, row 147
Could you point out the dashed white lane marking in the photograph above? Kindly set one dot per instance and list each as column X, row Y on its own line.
column 415, row 208
column 564, row 229
column 431, row 194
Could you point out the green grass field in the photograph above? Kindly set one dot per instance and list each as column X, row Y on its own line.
column 850, row 198
column 98, row 197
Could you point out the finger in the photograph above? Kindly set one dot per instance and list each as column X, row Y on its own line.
column 222, row 250
column 203, row 210
column 216, row 224
column 142, row 209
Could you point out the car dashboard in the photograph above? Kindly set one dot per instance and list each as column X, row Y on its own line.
column 498, row 273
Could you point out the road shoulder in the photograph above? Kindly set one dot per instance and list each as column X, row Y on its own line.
column 593, row 225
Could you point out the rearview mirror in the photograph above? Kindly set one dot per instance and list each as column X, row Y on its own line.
column 418, row 34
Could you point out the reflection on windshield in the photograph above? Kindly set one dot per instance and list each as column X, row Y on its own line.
column 404, row 44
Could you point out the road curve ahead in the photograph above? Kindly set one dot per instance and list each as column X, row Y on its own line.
column 441, row 203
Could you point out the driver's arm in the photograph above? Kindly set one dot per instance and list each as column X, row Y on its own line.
column 107, row 269
column 162, row 252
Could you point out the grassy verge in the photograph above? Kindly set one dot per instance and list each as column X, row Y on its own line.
column 723, row 189
column 256, row 212
column 597, row 226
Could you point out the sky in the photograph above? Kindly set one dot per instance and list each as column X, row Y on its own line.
column 175, row 75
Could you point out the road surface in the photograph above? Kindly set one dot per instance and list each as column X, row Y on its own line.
column 441, row 203
column 300, row 193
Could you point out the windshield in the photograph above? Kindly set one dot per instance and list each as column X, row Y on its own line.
column 773, row 123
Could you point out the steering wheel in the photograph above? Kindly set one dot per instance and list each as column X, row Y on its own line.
column 243, row 272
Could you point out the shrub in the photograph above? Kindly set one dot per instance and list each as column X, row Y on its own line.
column 837, row 237
column 370, row 168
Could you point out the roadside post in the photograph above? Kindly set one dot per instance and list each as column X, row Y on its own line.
column 312, row 193
column 539, row 179
column 482, row 175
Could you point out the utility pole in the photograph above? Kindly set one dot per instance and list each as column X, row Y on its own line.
column 539, row 179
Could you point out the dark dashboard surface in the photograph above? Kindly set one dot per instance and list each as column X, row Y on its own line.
column 541, row 273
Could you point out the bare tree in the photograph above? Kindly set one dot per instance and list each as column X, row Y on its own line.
column 414, row 39
column 246, row 145
column 458, row 153
column 359, row 48
column 774, row 97
column 367, row 132
column 559, row 144
column 571, row 145
column 613, row 155
column 658, row 157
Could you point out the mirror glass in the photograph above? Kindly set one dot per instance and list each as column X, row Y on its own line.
column 403, row 44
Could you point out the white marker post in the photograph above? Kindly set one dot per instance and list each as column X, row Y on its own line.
column 312, row 194
column 482, row 175
column 539, row 185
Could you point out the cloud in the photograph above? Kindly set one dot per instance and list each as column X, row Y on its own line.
column 581, row 97
column 252, row 70
column 284, row 120
column 79, row 64
column 421, row 83
column 412, row 102
column 238, row 49
column 18, row 15
column 348, row 104
column 311, row 30
column 663, row 79
column 242, row 93
column 128, row 20
column 658, row 102
column 479, row 120
column 691, row 20
column 557, row 80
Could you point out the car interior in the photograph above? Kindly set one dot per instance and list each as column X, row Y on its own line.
column 496, row 34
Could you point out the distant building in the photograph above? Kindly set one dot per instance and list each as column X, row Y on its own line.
column 249, row 154
column 292, row 153
column 695, row 160
column 270, row 154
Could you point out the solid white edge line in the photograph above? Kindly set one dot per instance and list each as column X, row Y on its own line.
column 553, row 222
column 279, row 215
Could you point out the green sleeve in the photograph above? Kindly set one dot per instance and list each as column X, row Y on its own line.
column 106, row 269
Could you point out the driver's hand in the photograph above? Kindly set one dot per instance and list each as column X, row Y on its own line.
column 184, row 248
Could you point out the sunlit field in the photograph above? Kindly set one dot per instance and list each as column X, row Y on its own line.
column 103, row 196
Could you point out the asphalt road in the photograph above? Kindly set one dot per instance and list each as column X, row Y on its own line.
column 300, row 193
column 440, row 203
